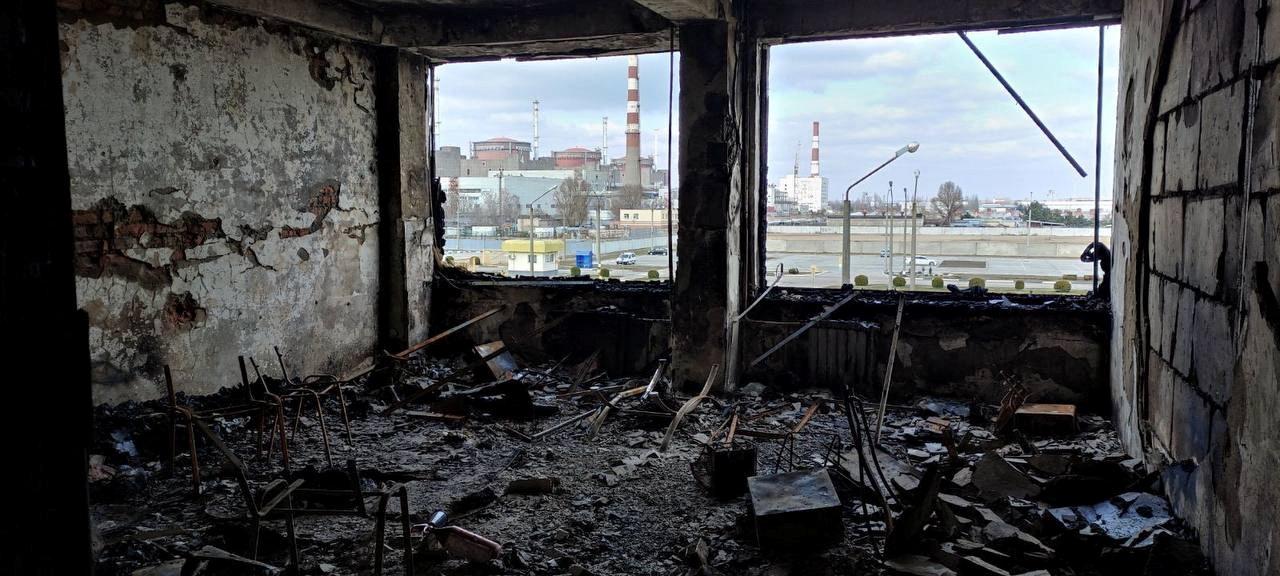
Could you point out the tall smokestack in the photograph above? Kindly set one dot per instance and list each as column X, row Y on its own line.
column 813, row 154
column 631, row 175
column 604, row 150
column 535, row 130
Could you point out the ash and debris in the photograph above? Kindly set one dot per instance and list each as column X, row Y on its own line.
column 1008, row 504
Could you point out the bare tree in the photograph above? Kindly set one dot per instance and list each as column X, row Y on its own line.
column 490, row 212
column 572, row 200
column 629, row 197
column 949, row 203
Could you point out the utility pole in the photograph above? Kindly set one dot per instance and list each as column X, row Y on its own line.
column 904, row 229
column 1030, row 203
column 598, row 254
column 915, row 216
column 889, row 266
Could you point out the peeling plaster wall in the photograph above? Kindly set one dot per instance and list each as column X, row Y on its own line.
column 225, row 191
column 1196, row 361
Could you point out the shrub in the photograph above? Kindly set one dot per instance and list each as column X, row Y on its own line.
column 899, row 281
column 976, row 281
column 475, row 260
column 1069, row 277
column 604, row 272
column 793, row 270
column 575, row 271
column 1019, row 285
column 861, row 280
column 653, row 274
column 1062, row 286
column 448, row 260
column 937, row 282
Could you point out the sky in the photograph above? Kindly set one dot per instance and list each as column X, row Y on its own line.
column 871, row 96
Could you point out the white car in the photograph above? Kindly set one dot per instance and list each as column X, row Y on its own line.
column 625, row 258
column 923, row 261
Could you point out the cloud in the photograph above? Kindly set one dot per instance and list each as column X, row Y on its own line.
column 871, row 96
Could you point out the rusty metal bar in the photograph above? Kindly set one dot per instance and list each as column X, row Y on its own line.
column 405, row 354
column 810, row 324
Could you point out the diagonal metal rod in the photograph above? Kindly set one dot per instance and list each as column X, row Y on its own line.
column 1023, row 104
column 810, row 324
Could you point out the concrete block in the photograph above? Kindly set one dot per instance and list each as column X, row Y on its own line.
column 795, row 509
column 1166, row 236
column 1203, row 243
column 1155, row 312
column 1182, row 148
column 1216, row 31
column 1176, row 87
column 1191, row 424
column 1213, row 352
column 1232, row 230
column 1158, row 160
column 1160, row 384
column 1221, row 122
column 1183, row 340
column 1170, row 319
column 1265, row 172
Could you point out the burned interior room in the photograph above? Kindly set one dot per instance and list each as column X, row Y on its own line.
column 614, row 287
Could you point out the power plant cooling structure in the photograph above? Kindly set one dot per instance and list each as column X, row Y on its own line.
column 813, row 153
column 631, row 173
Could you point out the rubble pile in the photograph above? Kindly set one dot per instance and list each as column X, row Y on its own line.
column 478, row 465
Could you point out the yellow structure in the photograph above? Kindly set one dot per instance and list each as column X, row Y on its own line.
column 533, row 257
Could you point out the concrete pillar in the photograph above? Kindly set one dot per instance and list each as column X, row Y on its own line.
column 406, row 232
column 706, row 285
column 46, row 355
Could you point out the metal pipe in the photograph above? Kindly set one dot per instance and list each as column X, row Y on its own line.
column 844, row 246
column 1097, row 158
column 1023, row 104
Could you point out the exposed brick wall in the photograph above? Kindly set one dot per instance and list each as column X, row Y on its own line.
column 1198, row 386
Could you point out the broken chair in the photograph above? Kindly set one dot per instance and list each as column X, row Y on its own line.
column 254, row 406
column 276, row 500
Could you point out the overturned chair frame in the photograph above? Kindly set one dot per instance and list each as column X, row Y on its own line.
column 254, row 407
column 276, row 498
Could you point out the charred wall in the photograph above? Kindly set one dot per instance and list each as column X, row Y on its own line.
column 224, row 186
column 1055, row 346
column 1195, row 349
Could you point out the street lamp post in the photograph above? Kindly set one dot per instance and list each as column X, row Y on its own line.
column 915, row 215
column 844, row 244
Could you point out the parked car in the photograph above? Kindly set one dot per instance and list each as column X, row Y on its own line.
column 625, row 258
column 658, row 251
column 923, row 261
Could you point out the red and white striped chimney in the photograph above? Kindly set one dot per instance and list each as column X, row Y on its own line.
column 631, row 173
column 813, row 154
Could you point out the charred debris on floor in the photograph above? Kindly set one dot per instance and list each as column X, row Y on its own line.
column 483, row 463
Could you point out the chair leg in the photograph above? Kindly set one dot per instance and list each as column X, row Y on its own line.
column 297, row 419
column 257, row 535
column 324, row 431
column 379, row 532
column 346, row 422
column 293, row 536
column 195, row 458
column 284, row 442
column 407, row 528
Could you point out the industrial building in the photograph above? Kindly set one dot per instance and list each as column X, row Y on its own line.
column 807, row 194
column 237, row 346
